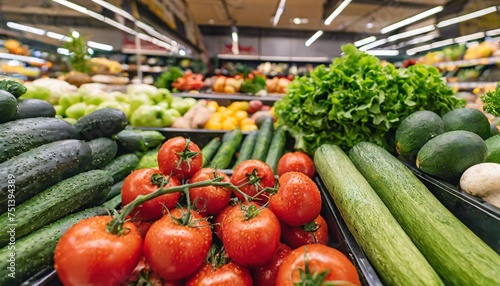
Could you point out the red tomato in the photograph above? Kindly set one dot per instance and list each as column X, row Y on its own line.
column 139, row 183
column 298, row 200
column 250, row 235
column 209, row 200
column 179, row 158
column 313, row 232
column 144, row 273
column 142, row 227
column 253, row 176
column 176, row 251
column 266, row 275
column 227, row 275
column 219, row 218
column 87, row 254
column 296, row 162
column 319, row 258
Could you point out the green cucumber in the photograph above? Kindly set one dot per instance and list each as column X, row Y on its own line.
column 448, row 155
column 31, row 108
column 35, row 251
column 209, row 150
column 8, row 106
column 230, row 143
column 493, row 145
column 131, row 141
column 103, row 151
column 56, row 202
column 415, row 130
column 469, row 119
column 263, row 139
column 387, row 246
column 454, row 251
column 277, row 148
column 246, row 147
column 104, row 122
column 25, row 134
column 31, row 172
column 122, row 166
column 114, row 191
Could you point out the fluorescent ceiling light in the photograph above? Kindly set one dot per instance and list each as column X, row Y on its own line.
column 21, row 58
column 337, row 12
column 182, row 52
column 373, row 45
column 115, row 9
column 314, row 38
column 411, row 33
column 466, row 38
column 63, row 51
column 422, row 39
column 493, row 32
column 365, row 41
column 99, row 46
column 144, row 37
column 119, row 26
column 72, row 5
column 442, row 43
column 297, row 21
column 90, row 51
column 383, row 52
column 412, row 19
column 234, row 35
column 413, row 51
column 471, row 44
column 75, row 34
column 279, row 11
column 59, row 37
column 466, row 17
column 25, row 28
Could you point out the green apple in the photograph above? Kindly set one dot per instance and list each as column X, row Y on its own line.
column 67, row 100
column 125, row 107
column 174, row 113
column 152, row 116
column 164, row 104
column 121, row 97
column 180, row 105
column 76, row 110
column 138, row 100
column 59, row 110
column 190, row 101
column 70, row 120
column 161, row 95
column 93, row 99
column 90, row 108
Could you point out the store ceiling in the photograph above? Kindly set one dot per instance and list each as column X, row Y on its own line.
column 360, row 16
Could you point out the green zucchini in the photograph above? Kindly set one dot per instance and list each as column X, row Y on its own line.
column 263, row 139
column 114, row 191
column 31, row 108
column 55, row 202
column 8, row 106
column 122, row 166
column 230, row 143
column 131, row 141
column 31, row 172
column 209, row 150
column 25, row 134
column 101, row 123
column 36, row 250
column 455, row 252
column 277, row 147
column 387, row 246
column 103, row 151
column 246, row 147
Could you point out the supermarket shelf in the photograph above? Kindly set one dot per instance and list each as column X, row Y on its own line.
column 469, row 63
column 472, row 85
column 225, row 98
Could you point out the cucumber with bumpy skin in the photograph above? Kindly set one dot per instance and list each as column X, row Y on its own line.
column 122, row 166
column 103, row 151
column 246, row 147
column 101, row 123
column 209, row 150
column 36, row 250
column 31, row 108
column 230, row 143
column 56, row 202
column 277, row 147
column 263, row 139
column 388, row 247
column 454, row 251
column 132, row 141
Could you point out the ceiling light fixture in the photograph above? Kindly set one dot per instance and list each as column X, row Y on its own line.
column 25, row 28
column 412, row 19
column 337, row 12
column 411, row 33
column 493, row 32
column 467, row 38
column 365, row 41
column 99, row 46
column 115, row 9
column 373, row 45
column 466, row 17
column 369, row 25
column 58, row 36
column 63, row 51
column 422, row 39
column 296, row 21
column 389, row 53
column 314, row 38
column 21, row 58
column 279, row 12
column 182, row 52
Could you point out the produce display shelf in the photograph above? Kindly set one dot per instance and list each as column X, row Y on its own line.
column 472, row 85
column 226, row 98
column 479, row 216
column 469, row 63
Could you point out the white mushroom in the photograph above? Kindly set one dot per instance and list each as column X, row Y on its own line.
column 483, row 180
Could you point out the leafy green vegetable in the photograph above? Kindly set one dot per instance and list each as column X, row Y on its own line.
column 254, row 85
column 491, row 100
column 166, row 79
column 13, row 87
column 359, row 99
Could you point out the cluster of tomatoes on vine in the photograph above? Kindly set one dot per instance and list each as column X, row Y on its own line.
column 182, row 224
